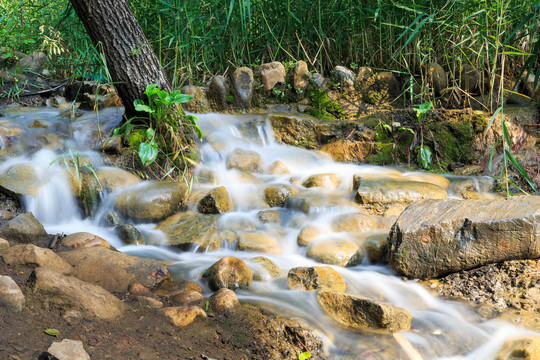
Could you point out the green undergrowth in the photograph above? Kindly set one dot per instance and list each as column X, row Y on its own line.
column 323, row 108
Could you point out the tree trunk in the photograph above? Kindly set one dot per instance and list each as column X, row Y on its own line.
column 130, row 58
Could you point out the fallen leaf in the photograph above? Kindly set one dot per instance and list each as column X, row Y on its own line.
column 304, row 356
column 52, row 332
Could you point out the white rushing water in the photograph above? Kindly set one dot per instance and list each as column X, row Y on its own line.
column 440, row 329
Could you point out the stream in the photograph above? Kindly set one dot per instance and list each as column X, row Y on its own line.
column 440, row 329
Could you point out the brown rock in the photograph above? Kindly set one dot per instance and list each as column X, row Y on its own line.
column 217, row 201
column 82, row 240
column 335, row 251
column 348, row 150
column 436, row 237
column 275, row 195
column 218, row 91
column 269, row 216
column 139, row 289
column 437, row 77
column 223, row 301
column 308, row 234
column 271, row 74
column 325, row 181
column 361, row 313
column 6, row 215
column 520, row 348
column 264, row 268
column 11, row 296
column 301, row 76
column 34, row 256
column 4, row 243
column 149, row 302
column 242, row 82
column 259, row 242
column 295, row 130
column 199, row 101
column 189, row 230
column 101, row 272
column 277, row 168
column 187, row 297
column 229, row 272
column 390, row 192
column 182, row 315
column 112, row 179
column 24, row 228
column 316, row 278
column 70, row 292
column 245, row 160
column 353, row 222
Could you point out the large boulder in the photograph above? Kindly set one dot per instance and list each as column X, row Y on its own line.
column 81, row 240
column 229, row 272
column 436, row 237
column 11, row 296
column 295, row 130
column 386, row 192
column 191, row 230
column 151, row 201
column 316, row 278
column 35, row 256
column 148, row 272
column 361, row 313
column 99, row 271
column 24, row 228
column 72, row 293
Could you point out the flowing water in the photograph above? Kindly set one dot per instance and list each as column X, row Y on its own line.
column 440, row 328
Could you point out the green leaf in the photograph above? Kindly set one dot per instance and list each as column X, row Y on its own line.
column 424, row 157
column 141, row 106
column 304, row 356
column 406, row 129
column 196, row 127
column 150, row 133
column 52, row 332
column 506, row 134
column 520, row 169
column 423, row 108
column 151, row 90
column 148, row 152
column 176, row 97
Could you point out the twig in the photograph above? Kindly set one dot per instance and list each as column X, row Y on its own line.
column 44, row 91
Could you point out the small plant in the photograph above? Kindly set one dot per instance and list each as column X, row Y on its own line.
column 354, row 66
column 424, row 153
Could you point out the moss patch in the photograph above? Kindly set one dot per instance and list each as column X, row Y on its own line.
column 322, row 107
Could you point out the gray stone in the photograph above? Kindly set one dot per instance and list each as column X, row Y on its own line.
column 11, row 296
column 34, row 256
column 272, row 74
column 33, row 62
column 345, row 77
column 151, row 201
column 218, row 91
column 319, row 80
column 70, row 292
column 361, row 313
column 436, row 237
column 242, row 80
column 437, row 77
column 68, row 350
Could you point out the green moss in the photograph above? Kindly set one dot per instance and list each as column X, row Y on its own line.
column 454, row 140
column 230, row 99
column 135, row 138
column 322, row 107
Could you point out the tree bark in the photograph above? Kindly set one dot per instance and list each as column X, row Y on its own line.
column 129, row 57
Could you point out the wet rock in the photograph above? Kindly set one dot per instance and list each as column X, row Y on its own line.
column 264, row 268
column 229, row 272
column 272, row 74
column 70, row 292
column 436, row 237
column 182, row 315
column 217, row 201
column 112, row 179
column 347, row 150
column 434, row 179
column 34, row 256
column 151, row 201
column 129, row 234
column 68, row 350
column 335, row 251
column 390, row 192
column 344, row 77
column 470, row 78
column 188, row 230
column 437, row 77
column 258, row 242
column 111, row 145
column 11, row 296
column 223, row 301
column 188, row 285
column 307, row 201
column 295, row 130
column 375, row 247
column 269, row 216
column 277, row 168
column 83, row 240
column 6, row 215
column 308, row 234
column 148, row 272
column 301, row 76
column 325, row 181
column 353, row 222
column 19, row 180
column 237, row 223
column 242, row 83
column 316, row 278
column 520, row 348
column 199, row 101
column 361, row 313
column 245, row 160
column 187, row 297
column 218, row 91
column 275, row 195
column 149, row 302
column 33, row 62
column 101, row 272
column 4, row 243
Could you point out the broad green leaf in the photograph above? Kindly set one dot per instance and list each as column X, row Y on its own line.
column 150, row 133
column 52, row 332
column 304, row 356
column 148, row 153
column 196, row 127
column 424, row 156
column 176, row 97
column 423, row 108
column 141, row 106
column 151, row 90
column 520, row 169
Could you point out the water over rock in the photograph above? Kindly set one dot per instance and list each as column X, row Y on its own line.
column 259, row 241
column 264, row 269
column 361, row 313
column 148, row 272
column 272, row 74
column 229, row 272
column 520, row 348
column 310, row 200
column 217, row 201
column 275, row 195
column 51, row 286
column 81, row 240
column 11, row 296
column 245, row 160
column 307, row 234
column 326, row 181
column 19, row 180
column 129, row 234
column 24, row 228
column 151, row 201
column 269, row 216
column 335, row 250
column 436, row 237
column 277, row 168
column 35, row 256
column 316, row 278
column 188, row 230
column 295, row 130
column 112, row 179
column 353, row 222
